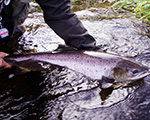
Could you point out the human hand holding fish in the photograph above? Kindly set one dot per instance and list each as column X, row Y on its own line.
column 2, row 62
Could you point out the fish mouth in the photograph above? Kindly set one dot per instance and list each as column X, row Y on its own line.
column 130, row 80
column 140, row 75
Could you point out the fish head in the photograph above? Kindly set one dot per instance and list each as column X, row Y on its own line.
column 129, row 70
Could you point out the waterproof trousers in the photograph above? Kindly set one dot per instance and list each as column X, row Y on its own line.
column 64, row 22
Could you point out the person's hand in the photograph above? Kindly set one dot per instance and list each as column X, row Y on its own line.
column 2, row 62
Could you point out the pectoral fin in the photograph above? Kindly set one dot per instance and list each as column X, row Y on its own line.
column 106, row 82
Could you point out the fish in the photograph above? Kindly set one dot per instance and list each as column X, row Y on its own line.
column 93, row 64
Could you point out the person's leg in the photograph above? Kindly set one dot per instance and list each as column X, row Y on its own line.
column 66, row 24
column 19, row 14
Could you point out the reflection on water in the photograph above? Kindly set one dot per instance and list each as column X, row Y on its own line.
column 61, row 94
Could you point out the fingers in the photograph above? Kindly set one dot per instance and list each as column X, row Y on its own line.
column 2, row 54
column 5, row 64
column 2, row 62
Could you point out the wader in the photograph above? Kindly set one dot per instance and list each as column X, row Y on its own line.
column 65, row 23
column 13, row 16
column 58, row 16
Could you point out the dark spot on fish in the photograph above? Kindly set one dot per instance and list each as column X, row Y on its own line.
column 77, row 56
column 72, row 58
column 35, row 45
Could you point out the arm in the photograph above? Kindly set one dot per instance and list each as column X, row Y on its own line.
column 64, row 22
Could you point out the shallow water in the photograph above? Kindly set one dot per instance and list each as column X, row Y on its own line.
column 62, row 94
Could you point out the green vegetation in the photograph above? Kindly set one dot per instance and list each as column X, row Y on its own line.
column 141, row 8
column 78, row 5
column 125, row 8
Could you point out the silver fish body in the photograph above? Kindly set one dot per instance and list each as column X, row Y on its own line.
column 89, row 63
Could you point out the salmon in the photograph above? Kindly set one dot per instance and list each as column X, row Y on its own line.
column 93, row 64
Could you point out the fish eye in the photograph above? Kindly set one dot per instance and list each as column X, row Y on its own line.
column 134, row 71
